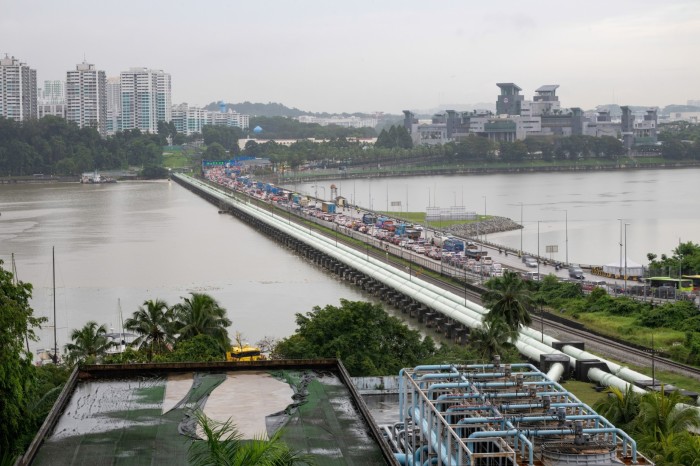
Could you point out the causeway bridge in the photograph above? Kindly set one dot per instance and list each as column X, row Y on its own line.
column 449, row 312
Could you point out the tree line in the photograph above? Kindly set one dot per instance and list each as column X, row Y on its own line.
column 55, row 146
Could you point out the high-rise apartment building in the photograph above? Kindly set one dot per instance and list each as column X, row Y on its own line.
column 51, row 99
column 114, row 105
column 17, row 90
column 86, row 97
column 145, row 99
column 51, row 93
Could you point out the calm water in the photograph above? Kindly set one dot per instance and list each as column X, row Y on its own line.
column 128, row 242
column 659, row 206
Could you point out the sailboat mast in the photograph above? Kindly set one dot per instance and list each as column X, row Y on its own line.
column 55, row 341
column 15, row 281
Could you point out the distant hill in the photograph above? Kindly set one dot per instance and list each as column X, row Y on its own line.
column 273, row 109
column 668, row 109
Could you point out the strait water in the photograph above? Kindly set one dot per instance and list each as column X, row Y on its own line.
column 133, row 241
column 659, row 206
column 129, row 242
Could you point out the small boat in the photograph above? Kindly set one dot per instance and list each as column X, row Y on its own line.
column 120, row 341
column 96, row 178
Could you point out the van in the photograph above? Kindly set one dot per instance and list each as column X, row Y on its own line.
column 576, row 272
column 486, row 260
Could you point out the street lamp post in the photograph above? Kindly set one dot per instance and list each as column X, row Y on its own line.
column 566, row 229
column 541, row 323
column 620, row 268
column 522, row 227
column 538, row 250
column 626, row 257
column 485, row 234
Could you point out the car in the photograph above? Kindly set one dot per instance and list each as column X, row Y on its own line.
column 576, row 272
column 530, row 262
column 534, row 276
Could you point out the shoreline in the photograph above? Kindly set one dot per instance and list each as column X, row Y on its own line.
column 311, row 176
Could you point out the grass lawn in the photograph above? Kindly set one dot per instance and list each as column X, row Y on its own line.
column 175, row 160
column 584, row 391
column 419, row 218
column 625, row 328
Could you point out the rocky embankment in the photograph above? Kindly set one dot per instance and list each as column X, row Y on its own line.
column 492, row 225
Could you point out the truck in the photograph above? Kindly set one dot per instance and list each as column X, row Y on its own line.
column 328, row 207
column 369, row 219
column 475, row 253
column 400, row 229
column 453, row 245
column 440, row 240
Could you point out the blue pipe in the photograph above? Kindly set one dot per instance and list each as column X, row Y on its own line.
column 401, row 458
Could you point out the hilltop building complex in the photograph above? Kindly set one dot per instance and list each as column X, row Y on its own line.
column 517, row 118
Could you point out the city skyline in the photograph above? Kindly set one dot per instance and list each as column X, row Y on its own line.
column 366, row 57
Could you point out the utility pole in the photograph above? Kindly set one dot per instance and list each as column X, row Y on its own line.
column 522, row 227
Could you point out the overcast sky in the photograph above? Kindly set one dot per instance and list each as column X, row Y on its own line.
column 365, row 56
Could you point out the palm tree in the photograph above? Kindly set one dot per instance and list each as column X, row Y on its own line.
column 89, row 343
column 223, row 445
column 152, row 322
column 620, row 408
column 662, row 414
column 493, row 337
column 508, row 299
column 202, row 315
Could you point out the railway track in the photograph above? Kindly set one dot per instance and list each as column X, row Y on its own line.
column 606, row 347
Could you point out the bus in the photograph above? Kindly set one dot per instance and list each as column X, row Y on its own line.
column 679, row 285
column 695, row 279
column 244, row 353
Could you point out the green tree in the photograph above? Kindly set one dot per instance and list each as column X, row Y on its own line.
column 493, row 337
column 620, row 408
column 90, row 343
column 17, row 374
column 367, row 339
column 662, row 414
column 223, row 446
column 200, row 314
column 153, row 323
column 508, row 299
column 197, row 348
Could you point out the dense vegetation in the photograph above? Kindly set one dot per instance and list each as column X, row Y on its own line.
column 684, row 260
column 27, row 393
column 54, row 146
column 658, row 421
column 288, row 128
column 362, row 335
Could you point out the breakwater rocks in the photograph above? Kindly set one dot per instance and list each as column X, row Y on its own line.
column 491, row 225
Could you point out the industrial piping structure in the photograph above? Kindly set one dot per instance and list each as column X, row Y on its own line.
column 500, row 415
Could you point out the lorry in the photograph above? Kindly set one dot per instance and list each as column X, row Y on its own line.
column 328, row 207
column 475, row 253
column 369, row 219
column 453, row 245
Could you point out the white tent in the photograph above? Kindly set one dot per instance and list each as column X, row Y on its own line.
column 618, row 268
